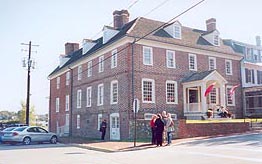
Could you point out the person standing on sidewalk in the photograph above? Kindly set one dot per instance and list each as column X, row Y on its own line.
column 153, row 129
column 169, row 128
column 159, row 124
column 103, row 126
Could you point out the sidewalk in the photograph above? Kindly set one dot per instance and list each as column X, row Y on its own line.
column 116, row 146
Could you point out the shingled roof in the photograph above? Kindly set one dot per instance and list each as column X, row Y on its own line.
column 142, row 26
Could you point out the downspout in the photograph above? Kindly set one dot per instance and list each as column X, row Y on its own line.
column 133, row 88
column 242, row 88
column 71, row 104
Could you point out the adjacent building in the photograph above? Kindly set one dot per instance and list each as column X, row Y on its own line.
column 165, row 66
column 251, row 73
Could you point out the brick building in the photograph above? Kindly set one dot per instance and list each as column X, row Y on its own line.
column 167, row 68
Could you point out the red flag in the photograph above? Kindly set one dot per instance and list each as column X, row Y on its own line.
column 209, row 88
column 232, row 90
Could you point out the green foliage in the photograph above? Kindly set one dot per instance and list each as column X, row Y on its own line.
column 21, row 114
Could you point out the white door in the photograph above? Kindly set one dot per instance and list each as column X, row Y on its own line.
column 67, row 124
column 114, row 126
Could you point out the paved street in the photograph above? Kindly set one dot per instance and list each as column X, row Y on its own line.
column 240, row 149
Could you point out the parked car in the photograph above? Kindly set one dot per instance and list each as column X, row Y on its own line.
column 28, row 134
column 4, row 131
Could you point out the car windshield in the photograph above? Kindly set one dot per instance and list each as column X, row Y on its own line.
column 9, row 129
column 20, row 129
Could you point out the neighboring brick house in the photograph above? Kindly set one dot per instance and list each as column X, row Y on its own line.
column 168, row 69
column 251, row 70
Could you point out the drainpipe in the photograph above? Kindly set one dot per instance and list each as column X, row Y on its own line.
column 242, row 88
column 71, row 104
column 133, row 88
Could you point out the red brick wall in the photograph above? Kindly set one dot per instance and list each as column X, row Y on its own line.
column 208, row 129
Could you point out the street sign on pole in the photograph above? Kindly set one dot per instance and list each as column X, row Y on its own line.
column 136, row 105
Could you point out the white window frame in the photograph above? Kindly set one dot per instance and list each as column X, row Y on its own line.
column 89, row 69
column 230, row 67
column 168, row 63
column 213, row 93
column 194, row 64
column 57, row 82
column 79, row 98
column 78, row 120
column 175, row 92
column 88, row 96
column 67, row 78
column 150, row 56
column 216, row 40
column 99, row 120
column 153, row 90
column 101, row 64
column 209, row 63
column 228, row 88
column 79, row 72
column 177, row 31
column 100, row 94
column 67, row 98
column 112, row 92
column 57, row 104
column 114, row 58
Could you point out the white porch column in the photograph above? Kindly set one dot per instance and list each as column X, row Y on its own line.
column 185, row 98
column 203, row 98
column 223, row 95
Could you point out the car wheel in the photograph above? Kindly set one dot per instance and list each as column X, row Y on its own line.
column 53, row 140
column 27, row 141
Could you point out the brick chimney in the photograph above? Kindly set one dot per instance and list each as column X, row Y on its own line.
column 211, row 24
column 258, row 41
column 120, row 18
column 71, row 47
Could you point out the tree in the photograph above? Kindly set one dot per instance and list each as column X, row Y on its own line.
column 22, row 114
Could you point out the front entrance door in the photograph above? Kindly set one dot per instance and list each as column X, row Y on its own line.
column 66, row 130
column 193, row 99
column 114, row 126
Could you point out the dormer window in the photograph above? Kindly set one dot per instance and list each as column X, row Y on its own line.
column 216, row 40
column 177, row 31
column 174, row 30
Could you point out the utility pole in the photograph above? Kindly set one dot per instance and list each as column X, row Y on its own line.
column 28, row 63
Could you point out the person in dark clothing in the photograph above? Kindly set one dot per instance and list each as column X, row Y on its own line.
column 159, row 124
column 103, row 126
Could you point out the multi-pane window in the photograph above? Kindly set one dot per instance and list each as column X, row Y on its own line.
column 114, row 92
column 100, row 94
column 212, row 63
column 171, row 92
column 57, row 104
column 78, row 121
column 101, row 64
column 57, row 82
column 259, row 77
column 79, row 73
column 67, row 78
column 170, row 59
column 230, row 97
column 192, row 62
column 99, row 121
column 255, row 55
column 147, row 56
column 79, row 98
column 248, row 54
column 216, row 40
column 67, row 103
column 250, row 77
column 148, row 90
column 177, row 31
column 89, row 69
column 88, row 96
column 213, row 96
column 228, row 68
column 114, row 59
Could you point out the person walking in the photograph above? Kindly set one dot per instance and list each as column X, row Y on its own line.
column 169, row 128
column 153, row 129
column 159, row 124
column 103, row 126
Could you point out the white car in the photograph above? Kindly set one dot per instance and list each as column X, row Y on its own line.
column 28, row 134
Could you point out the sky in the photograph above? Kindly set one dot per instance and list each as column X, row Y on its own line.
column 52, row 23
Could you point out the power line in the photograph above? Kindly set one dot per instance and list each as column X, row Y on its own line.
column 161, row 4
